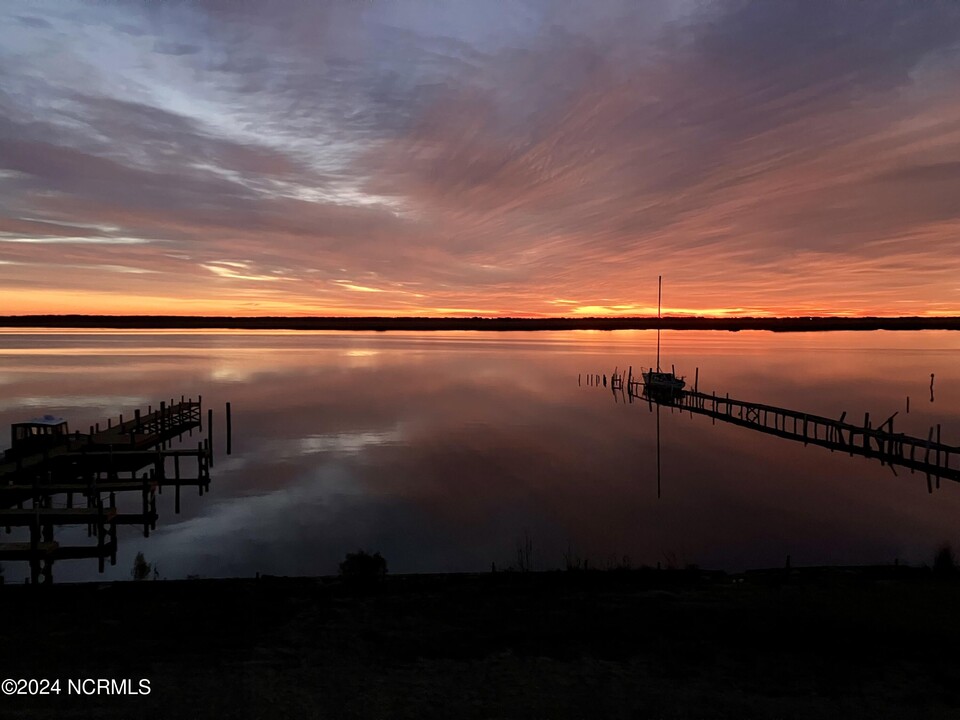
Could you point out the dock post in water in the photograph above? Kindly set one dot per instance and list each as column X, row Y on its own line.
column 938, row 452
column 229, row 431
column 203, row 463
column 210, row 435
column 163, row 421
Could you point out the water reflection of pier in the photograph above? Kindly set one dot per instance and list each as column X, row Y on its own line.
column 54, row 478
column 928, row 455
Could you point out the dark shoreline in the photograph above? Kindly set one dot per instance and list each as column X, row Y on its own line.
column 877, row 642
column 419, row 324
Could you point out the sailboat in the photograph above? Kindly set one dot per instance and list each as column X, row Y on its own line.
column 660, row 382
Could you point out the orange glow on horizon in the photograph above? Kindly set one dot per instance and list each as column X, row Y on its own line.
column 90, row 303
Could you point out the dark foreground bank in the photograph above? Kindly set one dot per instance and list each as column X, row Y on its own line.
column 419, row 324
column 870, row 642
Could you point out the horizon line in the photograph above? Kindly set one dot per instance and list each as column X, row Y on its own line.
column 536, row 318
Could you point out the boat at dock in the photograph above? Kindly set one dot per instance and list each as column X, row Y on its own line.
column 654, row 381
column 36, row 436
column 661, row 382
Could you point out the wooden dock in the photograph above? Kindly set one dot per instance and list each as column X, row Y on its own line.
column 150, row 430
column 76, row 481
column 930, row 455
column 118, row 446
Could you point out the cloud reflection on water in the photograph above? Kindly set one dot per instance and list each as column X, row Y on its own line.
column 442, row 451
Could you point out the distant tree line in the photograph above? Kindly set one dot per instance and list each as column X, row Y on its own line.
column 733, row 324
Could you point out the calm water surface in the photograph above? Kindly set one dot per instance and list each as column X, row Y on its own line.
column 443, row 451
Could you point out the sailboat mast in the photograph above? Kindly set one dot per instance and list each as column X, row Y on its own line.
column 659, row 290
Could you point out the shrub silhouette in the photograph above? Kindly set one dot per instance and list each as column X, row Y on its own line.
column 141, row 568
column 944, row 562
column 362, row 568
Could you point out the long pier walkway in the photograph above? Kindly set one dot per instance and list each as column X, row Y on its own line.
column 929, row 455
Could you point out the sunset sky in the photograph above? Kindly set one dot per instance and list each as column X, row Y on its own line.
column 429, row 157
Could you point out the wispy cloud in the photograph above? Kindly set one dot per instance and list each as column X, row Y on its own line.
column 357, row 288
column 239, row 271
column 67, row 240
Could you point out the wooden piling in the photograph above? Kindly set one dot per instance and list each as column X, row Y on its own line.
column 145, row 507
column 229, row 431
column 888, row 423
column 163, row 421
column 210, row 435
column 938, row 451
column 207, row 461
column 100, row 536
